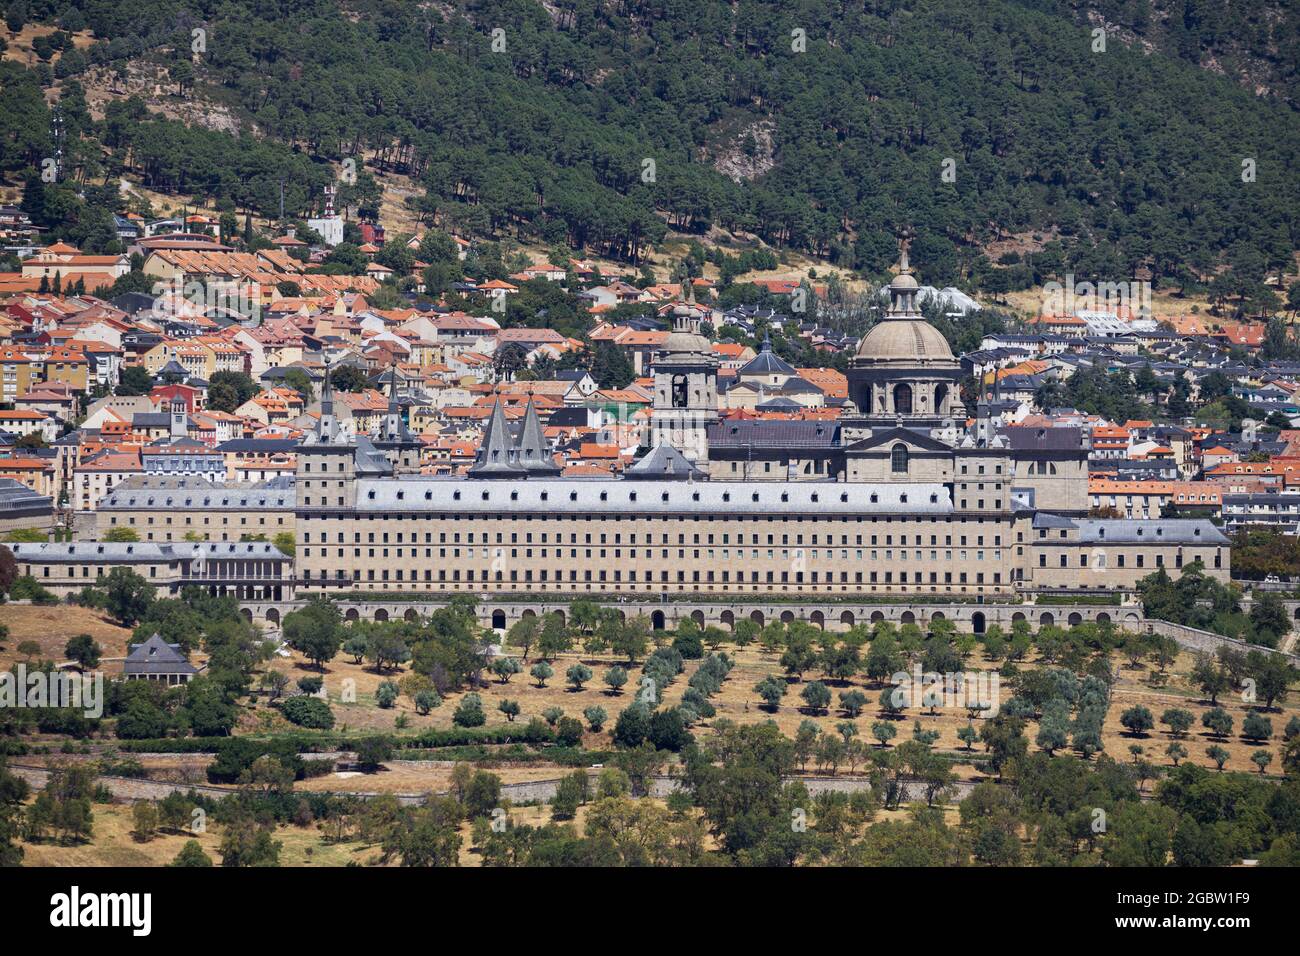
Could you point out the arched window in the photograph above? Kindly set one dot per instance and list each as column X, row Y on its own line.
column 903, row 399
column 679, row 391
column 940, row 393
column 898, row 460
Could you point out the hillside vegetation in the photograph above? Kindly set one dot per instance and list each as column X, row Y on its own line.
column 601, row 125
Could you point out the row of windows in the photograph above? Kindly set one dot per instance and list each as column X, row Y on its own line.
column 1097, row 560
column 648, row 554
column 664, row 577
column 486, row 538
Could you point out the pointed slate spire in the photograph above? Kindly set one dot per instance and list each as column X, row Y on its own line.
column 498, row 457
column 327, row 427
column 534, row 454
column 394, row 428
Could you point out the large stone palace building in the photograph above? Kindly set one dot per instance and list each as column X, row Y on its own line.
column 900, row 497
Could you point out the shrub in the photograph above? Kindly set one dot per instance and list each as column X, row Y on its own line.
column 311, row 685
column 386, row 694
column 596, row 717
column 578, row 675
column 26, row 588
column 689, row 646
column 373, row 751
column 568, row 732
column 308, row 711
column 469, row 712
column 668, row 730
column 632, row 726
column 1256, row 727
column 696, row 700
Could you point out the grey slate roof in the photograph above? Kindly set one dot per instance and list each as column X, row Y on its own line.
column 156, row 656
column 664, row 463
column 16, row 497
column 204, row 496
column 497, row 455
column 1022, row 438
column 1162, row 531
column 143, row 552
column 773, row 434
column 766, row 362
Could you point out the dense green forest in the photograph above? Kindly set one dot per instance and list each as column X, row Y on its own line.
column 1104, row 161
column 1256, row 43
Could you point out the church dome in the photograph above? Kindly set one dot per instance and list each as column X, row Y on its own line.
column 685, row 340
column 903, row 336
column 682, row 342
column 913, row 340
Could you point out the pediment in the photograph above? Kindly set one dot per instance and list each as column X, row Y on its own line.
column 885, row 439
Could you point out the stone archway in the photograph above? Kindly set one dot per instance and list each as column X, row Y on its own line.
column 787, row 617
column 528, row 612
column 560, row 615
column 1018, row 616
column 272, row 616
column 247, row 612
column 381, row 615
column 757, row 617
column 1103, row 618
column 499, row 620
column 908, row 618
column 846, row 617
column 877, row 617
column 698, row 618
column 411, row 615
column 657, row 620
column 1046, row 619
column 728, row 620
column 817, row 619
column 352, row 614
column 1075, row 619
column 977, row 622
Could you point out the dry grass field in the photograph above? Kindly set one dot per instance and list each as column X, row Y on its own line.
column 114, row 844
column 737, row 701
column 52, row 626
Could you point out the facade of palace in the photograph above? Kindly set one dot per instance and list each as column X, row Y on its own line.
column 913, row 502
column 897, row 498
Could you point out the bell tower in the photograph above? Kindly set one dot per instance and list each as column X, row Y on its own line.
column 686, row 383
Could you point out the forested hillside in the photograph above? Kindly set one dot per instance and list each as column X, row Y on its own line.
column 1255, row 42
column 1060, row 156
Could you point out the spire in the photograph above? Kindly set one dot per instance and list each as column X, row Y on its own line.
column 498, row 456
column 392, row 385
column 394, row 429
column 534, row 451
column 327, row 428
column 903, row 290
